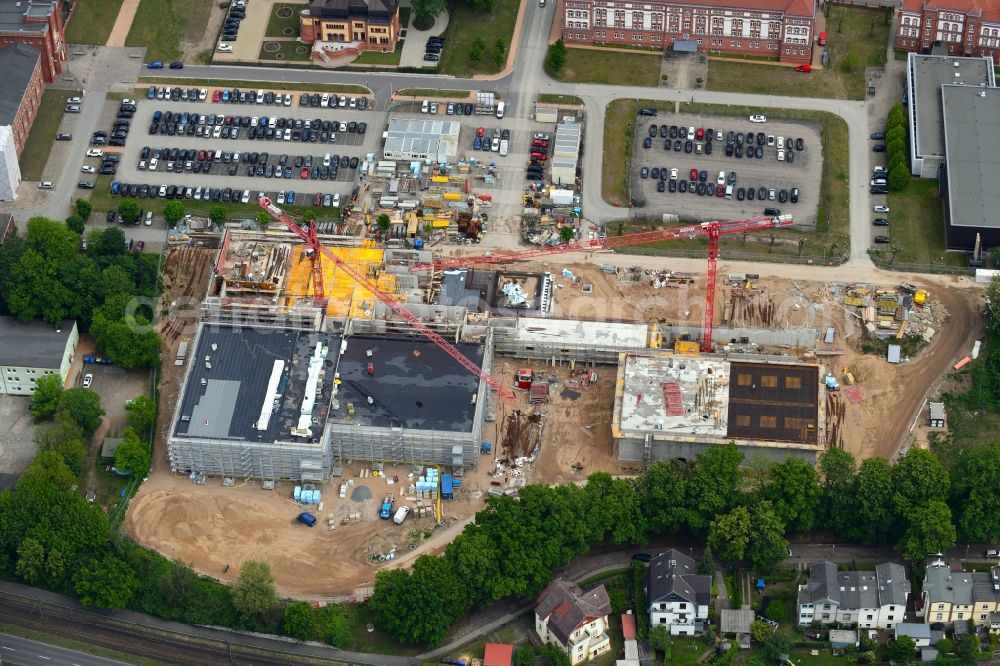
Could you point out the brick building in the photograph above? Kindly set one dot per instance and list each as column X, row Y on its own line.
column 21, row 94
column 36, row 23
column 952, row 27
column 351, row 26
column 782, row 29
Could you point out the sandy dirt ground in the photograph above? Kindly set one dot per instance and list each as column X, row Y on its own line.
column 211, row 527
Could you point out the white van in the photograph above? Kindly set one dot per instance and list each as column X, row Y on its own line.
column 729, row 191
column 426, row 106
column 260, row 97
column 45, row 185
column 501, row 107
column 324, row 101
column 401, row 515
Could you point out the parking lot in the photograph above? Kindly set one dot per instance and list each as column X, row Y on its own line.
column 218, row 175
column 765, row 172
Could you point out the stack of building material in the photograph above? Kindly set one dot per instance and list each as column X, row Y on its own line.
column 539, row 393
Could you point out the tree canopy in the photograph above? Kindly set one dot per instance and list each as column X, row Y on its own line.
column 254, row 593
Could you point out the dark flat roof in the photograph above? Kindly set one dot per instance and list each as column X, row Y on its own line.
column 773, row 402
column 929, row 73
column 33, row 345
column 12, row 13
column 972, row 142
column 341, row 9
column 17, row 62
column 229, row 403
column 407, row 372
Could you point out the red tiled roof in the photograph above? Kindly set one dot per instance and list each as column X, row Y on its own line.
column 498, row 654
column 988, row 9
column 628, row 626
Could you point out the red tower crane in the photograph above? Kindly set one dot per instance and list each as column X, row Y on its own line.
column 319, row 298
column 313, row 243
column 710, row 230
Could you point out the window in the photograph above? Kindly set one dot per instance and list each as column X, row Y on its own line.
column 940, row 616
column 983, row 616
column 961, row 615
column 769, row 381
column 793, row 382
column 891, row 618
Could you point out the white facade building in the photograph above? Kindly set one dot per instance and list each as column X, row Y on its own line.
column 869, row 599
column 10, row 170
column 677, row 594
column 574, row 620
column 31, row 351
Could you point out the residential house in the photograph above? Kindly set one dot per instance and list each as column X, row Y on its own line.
column 574, row 620
column 677, row 595
column 920, row 633
column 958, row 27
column 947, row 595
column 869, row 599
column 350, row 27
column 38, row 24
column 30, row 351
column 995, row 622
column 985, row 595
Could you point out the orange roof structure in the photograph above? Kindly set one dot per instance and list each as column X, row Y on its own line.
column 498, row 654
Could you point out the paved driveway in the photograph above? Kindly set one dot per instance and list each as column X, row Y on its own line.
column 416, row 40
column 252, row 33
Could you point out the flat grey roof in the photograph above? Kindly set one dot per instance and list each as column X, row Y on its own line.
column 12, row 13
column 17, row 62
column 414, row 384
column 33, row 345
column 228, row 404
column 928, row 73
column 972, row 144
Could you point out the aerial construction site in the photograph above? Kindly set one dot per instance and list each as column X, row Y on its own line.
column 322, row 374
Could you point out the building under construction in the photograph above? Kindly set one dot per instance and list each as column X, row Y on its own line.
column 292, row 404
column 671, row 406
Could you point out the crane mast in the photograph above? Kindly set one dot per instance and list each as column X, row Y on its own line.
column 311, row 240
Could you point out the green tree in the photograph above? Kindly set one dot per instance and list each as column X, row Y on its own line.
column 140, row 412
column 254, row 593
column 83, row 208
column 116, row 281
column 901, row 650
column 64, row 437
column 173, row 212
column 555, row 58
column 659, row 640
column 966, row 647
column 129, row 209
column 419, row 607
column 263, row 219
column 474, row 558
column 426, row 11
column 838, row 470
column 794, row 492
column 896, row 133
column 217, row 214
column 333, row 626
column 767, row 545
column 714, row 486
column 76, row 223
column 873, row 516
column 52, row 239
column 499, row 52
column 111, row 243
column 34, row 289
column 107, row 583
column 918, row 478
column 776, row 611
column 55, row 568
column 30, row 560
column 477, row 49
column 896, row 115
column 929, row 529
column 761, row 630
column 945, row 646
column 898, row 180
column 45, row 399
column 566, row 234
column 615, row 510
column 299, row 623
column 776, row 645
column 662, row 492
column 975, row 493
column 84, row 407
column 729, row 534
column 132, row 455
column 706, row 566
column 383, row 222
column 524, row 655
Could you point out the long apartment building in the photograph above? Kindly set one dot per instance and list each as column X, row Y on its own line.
column 782, row 29
column 955, row 27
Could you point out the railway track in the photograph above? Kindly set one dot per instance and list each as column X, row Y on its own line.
column 170, row 648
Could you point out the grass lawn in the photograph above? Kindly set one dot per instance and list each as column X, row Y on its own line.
column 277, row 25
column 161, row 25
column 916, row 227
column 432, row 93
column 92, row 21
column 610, row 67
column 347, row 88
column 290, row 51
column 832, row 234
column 378, row 58
column 547, row 98
column 855, row 41
column 465, row 26
column 43, row 132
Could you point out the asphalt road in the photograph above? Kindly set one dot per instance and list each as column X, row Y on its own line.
column 26, row 652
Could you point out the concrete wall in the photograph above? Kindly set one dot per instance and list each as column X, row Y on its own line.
column 804, row 338
column 633, row 449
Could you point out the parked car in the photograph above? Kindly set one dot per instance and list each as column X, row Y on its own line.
column 156, row 64
column 88, row 380
column 757, row 118
column 880, row 222
column 882, row 239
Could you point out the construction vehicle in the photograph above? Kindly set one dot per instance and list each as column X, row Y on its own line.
column 848, row 377
column 386, row 511
column 711, row 231
column 831, row 383
column 524, row 378
column 394, row 305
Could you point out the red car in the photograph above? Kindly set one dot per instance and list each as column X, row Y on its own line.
column 804, row 68
column 217, row 96
column 700, row 134
column 317, row 199
column 822, row 39
column 304, row 174
column 481, row 132
column 694, row 174
column 720, row 190
column 540, row 143
column 539, row 156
